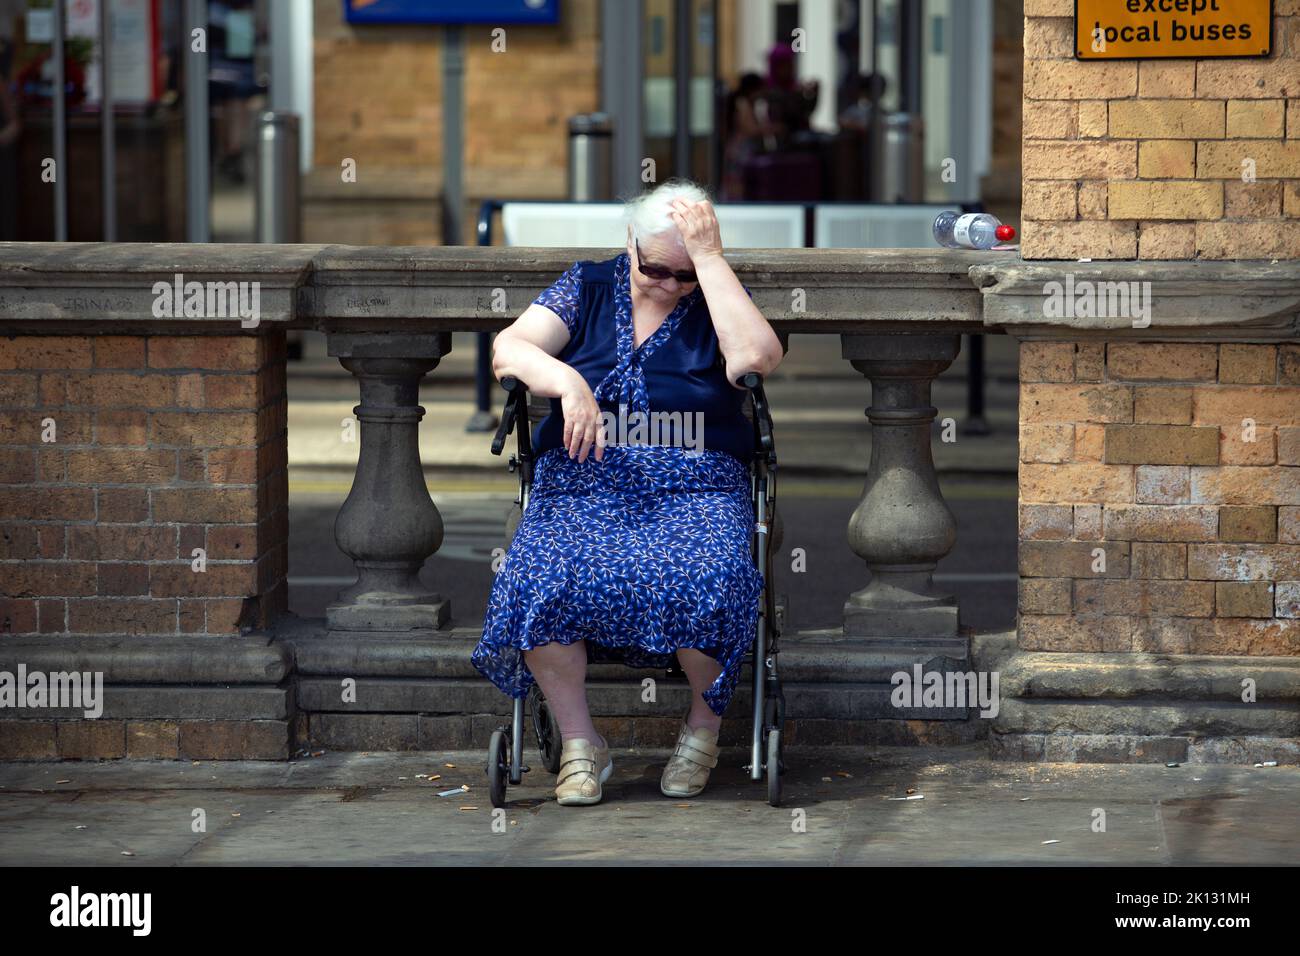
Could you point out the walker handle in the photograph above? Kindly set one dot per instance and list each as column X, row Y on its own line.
column 762, row 414
column 518, row 395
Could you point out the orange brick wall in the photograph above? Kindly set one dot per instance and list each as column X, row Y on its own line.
column 1136, row 449
column 378, row 101
column 162, row 445
column 1144, row 159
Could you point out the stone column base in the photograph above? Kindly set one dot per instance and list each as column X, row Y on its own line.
column 387, row 617
column 937, row 622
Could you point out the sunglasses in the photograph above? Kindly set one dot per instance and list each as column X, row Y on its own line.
column 661, row 272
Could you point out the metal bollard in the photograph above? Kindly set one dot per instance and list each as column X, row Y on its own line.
column 591, row 151
column 901, row 175
column 279, row 190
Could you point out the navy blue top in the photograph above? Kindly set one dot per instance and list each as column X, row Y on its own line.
column 677, row 369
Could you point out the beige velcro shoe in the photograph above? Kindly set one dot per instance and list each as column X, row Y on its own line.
column 584, row 766
column 688, row 768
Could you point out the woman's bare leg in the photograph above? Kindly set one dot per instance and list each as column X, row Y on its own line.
column 701, row 671
column 561, row 673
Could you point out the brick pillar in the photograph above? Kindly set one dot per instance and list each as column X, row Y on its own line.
column 1160, row 498
column 1159, row 488
column 124, row 454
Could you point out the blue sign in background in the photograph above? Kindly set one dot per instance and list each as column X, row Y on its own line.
column 451, row 11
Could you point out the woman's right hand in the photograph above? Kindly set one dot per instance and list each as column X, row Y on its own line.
column 583, row 425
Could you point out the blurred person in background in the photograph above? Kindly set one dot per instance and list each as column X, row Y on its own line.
column 743, row 134
column 786, row 104
column 231, row 83
column 865, row 91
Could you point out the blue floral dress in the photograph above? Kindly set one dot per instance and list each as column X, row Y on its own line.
column 648, row 550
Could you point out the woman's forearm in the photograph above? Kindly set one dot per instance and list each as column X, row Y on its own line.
column 545, row 375
column 744, row 335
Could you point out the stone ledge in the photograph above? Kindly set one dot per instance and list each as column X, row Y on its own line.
column 1139, row 748
column 107, row 287
column 255, row 659
column 165, row 739
column 96, row 287
column 361, row 732
column 173, row 703
column 1149, row 717
column 807, row 657
column 1237, row 301
column 608, row 698
column 372, row 288
column 82, row 287
column 1029, row 674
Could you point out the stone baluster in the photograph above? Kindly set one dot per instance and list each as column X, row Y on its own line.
column 388, row 525
column 902, row 526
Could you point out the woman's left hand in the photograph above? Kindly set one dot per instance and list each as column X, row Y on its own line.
column 698, row 225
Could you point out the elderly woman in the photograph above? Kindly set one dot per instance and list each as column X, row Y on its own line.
column 642, row 548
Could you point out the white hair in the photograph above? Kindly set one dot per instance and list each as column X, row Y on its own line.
column 648, row 214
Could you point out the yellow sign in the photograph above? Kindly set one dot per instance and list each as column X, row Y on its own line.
column 1142, row 29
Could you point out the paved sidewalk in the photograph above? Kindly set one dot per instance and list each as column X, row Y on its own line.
column 839, row 809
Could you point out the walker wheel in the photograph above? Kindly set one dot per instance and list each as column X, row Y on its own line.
column 774, row 768
column 546, row 728
column 498, row 767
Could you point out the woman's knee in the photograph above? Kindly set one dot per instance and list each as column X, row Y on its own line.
column 557, row 656
column 694, row 657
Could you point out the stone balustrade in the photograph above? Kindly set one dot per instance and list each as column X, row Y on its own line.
column 388, row 313
column 116, row 312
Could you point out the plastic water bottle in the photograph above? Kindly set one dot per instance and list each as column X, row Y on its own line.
column 972, row 230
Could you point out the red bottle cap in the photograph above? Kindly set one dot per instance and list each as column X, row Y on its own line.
column 1006, row 233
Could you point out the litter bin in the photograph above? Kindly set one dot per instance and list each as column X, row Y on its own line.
column 900, row 176
column 591, row 157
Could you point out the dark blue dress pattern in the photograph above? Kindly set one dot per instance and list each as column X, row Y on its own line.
column 640, row 554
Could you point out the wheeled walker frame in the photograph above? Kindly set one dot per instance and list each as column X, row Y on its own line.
column 505, row 749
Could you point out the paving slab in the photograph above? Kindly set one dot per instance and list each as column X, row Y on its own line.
column 841, row 807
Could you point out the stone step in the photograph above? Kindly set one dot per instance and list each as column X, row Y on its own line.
column 842, row 701
column 375, row 732
column 1143, row 748
column 1149, row 716
column 153, row 660
column 1132, row 676
column 126, row 702
column 804, row 657
column 108, row 739
column 1146, row 708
